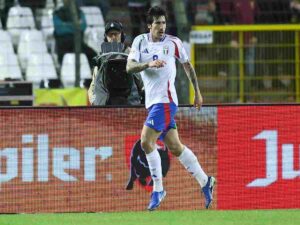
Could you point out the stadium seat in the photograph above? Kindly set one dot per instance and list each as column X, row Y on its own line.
column 40, row 67
column 59, row 3
column 31, row 41
column 93, row 15
column 50, row 4
column 19, row 19
column 31, row 36
column 47, row 28
column 122, row 15
column 93, row 37
column 9, row 66
column 68, row 69
column 6, row 45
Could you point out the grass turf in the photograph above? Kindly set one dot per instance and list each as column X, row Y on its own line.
column 213, row 217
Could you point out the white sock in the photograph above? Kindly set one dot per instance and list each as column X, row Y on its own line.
column 154, row 162
column 190, row 162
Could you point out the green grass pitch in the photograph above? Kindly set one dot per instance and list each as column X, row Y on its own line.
column 209, row 217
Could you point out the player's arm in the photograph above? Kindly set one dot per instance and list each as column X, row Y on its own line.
column 191, row 74
column 136, row 67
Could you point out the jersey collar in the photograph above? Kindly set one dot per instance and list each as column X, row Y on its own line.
column 150, row 38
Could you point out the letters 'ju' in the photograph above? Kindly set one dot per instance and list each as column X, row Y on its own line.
column 288, row 171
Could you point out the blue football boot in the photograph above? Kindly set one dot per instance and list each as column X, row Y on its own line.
column 208, row 190
column 156, row 199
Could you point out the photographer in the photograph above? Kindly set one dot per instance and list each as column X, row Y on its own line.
column 111, row 84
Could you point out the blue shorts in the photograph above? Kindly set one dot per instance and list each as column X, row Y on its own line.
column 161, row 117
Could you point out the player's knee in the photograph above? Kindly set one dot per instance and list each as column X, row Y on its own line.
column 176, row 148
column 147, row 146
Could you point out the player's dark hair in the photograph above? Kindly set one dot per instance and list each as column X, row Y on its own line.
column 155, row 12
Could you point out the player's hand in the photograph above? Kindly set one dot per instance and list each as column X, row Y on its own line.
column 198, row 101
column 157, row 63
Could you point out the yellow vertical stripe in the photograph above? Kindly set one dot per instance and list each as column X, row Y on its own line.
column 191, row 89
column 297, row 75
column 241, row 65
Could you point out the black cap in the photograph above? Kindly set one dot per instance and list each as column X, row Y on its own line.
column 113, row 26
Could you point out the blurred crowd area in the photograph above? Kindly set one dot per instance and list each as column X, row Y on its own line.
column 248, row 65
column 132, row 12
column 36, row 36
column 215, row 12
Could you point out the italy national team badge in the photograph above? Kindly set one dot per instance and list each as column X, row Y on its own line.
column 166, row 50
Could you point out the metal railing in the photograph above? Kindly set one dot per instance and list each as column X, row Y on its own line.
column 248, row 63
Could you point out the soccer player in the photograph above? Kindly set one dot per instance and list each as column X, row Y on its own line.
column 153, row 54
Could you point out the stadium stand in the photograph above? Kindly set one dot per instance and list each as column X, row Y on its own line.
column 30, row 15
column 4, row 8
column 248, row 64
column 19, row 19
column 6, row 45
column 50, row 4
column 213, row 11
column 31, row 41
column 137, row 11
column 47, row 28
column 68, row 69
column 65, row 32
column 33, row 4
column 40, row 67
column 93, row 35
column 120, row 12
column 9, row 66
column 93, row 15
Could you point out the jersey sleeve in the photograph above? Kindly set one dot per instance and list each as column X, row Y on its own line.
column 135, row 49
column 180, row 52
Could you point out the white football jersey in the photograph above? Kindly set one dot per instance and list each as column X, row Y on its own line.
column 159, row 83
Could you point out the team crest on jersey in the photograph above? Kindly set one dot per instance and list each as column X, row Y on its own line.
column 166, row 50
